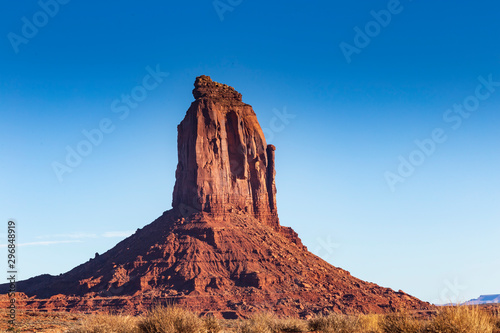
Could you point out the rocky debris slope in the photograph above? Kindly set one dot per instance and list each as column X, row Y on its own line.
column 221, row 248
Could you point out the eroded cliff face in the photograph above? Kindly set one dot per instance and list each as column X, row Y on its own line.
column 225, row 164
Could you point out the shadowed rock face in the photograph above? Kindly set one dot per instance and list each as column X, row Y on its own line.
column 221, row 249
column 225, row 164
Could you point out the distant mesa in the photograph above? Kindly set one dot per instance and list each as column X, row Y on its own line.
column 221, row 248
column 484, row 299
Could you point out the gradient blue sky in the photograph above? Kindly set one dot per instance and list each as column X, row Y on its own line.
column 435, row 236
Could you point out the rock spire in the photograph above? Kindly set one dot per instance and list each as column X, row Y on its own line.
column 225, row 164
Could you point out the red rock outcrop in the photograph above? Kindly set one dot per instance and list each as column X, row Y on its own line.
column 225, row 165
column 221, row 249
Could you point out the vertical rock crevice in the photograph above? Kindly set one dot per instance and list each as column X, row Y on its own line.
column 235, row 148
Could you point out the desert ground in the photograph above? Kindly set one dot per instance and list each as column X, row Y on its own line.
column 470, row 319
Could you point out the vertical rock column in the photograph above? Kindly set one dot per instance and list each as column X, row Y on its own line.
column 224, row 163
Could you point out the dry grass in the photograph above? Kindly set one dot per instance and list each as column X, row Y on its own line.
column 38, row 321
column 258, row 323
column 169, row 319
column 335, row 323
column 370, row 323
column 461, row 319
column 496, row 322
column 401, row 322
column 107, row 324
column 172, row 319
column 212, row 325
column 270, row 323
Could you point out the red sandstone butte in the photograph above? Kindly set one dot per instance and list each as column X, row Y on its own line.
column 221, row 248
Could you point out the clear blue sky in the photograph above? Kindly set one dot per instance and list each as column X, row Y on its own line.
column 359, row 101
